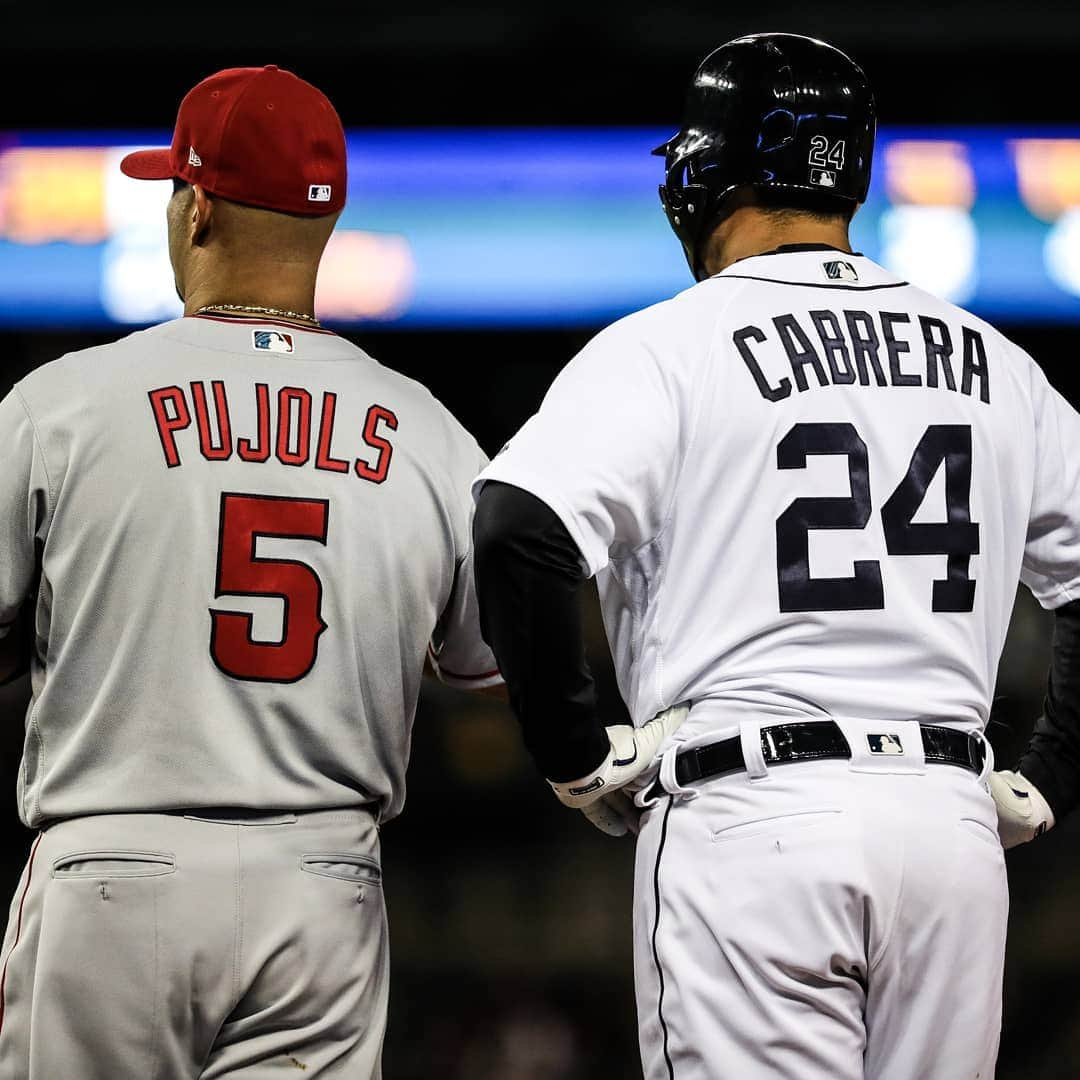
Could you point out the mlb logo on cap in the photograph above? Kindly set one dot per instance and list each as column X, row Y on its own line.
column 271, row 341
column 319, row 193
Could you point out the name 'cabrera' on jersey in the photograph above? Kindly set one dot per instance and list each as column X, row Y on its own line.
column 246, row 535
column 808, row 489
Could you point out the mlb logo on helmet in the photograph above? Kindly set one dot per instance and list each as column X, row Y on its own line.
column 823, row 178
column 885, row 744
column 838, row 270
column 271, row 341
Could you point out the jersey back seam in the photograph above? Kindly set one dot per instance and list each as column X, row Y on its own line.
column 41, row 450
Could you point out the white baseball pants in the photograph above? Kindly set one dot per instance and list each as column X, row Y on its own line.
column 167, row 947
column 822, row 921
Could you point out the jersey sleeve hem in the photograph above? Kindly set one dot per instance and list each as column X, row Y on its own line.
column 480, row 681
column 470, row 682
column 1049, row 593
column 594, row 554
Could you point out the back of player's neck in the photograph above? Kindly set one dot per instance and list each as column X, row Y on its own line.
column 284, row 292
column 759, row 234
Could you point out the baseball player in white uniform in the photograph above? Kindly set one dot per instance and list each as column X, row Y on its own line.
column 807, row 490
column 238, row 534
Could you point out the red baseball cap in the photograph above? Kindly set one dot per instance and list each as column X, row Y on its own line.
column 260, row 136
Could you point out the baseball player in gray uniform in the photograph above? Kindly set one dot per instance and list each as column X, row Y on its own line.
column 807, row 490
column 239, row 535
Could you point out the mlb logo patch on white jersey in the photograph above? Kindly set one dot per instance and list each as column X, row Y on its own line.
column 319, row 193
column 838, row 270
column 271, row 341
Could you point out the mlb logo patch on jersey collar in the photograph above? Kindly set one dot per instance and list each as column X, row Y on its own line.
column 839, row 270
column 885, row 744
column 271, row 341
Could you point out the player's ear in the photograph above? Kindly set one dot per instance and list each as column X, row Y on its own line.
column 202, row 211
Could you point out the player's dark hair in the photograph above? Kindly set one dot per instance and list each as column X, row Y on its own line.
column 179, row 185
column 781, row 203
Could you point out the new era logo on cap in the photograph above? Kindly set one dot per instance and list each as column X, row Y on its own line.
column 319, row 193
column 192, row 157
column 271, row 341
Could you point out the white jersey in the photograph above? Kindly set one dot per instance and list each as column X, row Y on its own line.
column 243, row 536
column 808, row 490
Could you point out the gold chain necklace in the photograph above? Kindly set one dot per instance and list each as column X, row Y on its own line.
column 254, row 309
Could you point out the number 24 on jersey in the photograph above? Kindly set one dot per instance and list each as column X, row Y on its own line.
column 957, row 537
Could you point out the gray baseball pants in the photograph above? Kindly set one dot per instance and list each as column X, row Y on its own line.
column 172, row 946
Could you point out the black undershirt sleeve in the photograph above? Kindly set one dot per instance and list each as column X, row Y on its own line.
column 15, row 646
column 1052, row 759
column 529, row 582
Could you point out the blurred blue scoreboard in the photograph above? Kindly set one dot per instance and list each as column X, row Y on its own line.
column 534, row 228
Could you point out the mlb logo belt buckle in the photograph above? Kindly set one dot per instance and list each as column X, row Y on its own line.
column 886, row 743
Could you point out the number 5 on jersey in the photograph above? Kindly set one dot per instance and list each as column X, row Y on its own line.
column 240, row 572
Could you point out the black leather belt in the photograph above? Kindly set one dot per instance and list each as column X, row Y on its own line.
column 819, row 740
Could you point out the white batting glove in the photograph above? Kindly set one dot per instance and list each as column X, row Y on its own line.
column 597, row 795
column 614, row 813
column 1022, row 811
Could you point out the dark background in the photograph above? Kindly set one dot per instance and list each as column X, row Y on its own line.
column 510, row 917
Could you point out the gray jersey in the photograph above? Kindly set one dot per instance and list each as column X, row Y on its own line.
column 247, row 534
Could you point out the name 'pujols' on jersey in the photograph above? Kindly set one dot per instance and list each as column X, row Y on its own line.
column 284, row 429
column 852, row 347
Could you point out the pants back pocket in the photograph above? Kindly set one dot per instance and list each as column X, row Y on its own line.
column 359, row 869
column 113, row 864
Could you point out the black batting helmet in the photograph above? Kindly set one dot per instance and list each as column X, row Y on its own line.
column 770, row 111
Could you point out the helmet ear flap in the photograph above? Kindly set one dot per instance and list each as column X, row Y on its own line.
column 687, row 211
